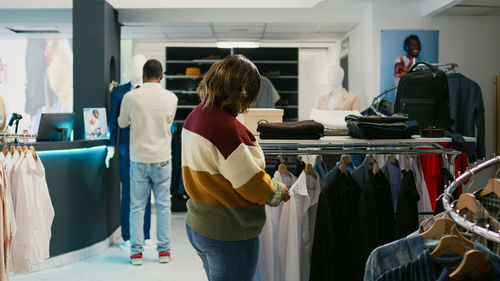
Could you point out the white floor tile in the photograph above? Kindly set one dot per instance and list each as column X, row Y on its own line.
column 113, row 264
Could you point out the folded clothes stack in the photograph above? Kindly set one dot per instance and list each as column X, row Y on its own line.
column 306, row 129
column 396, row 126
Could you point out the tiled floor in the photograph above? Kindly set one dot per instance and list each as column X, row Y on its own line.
column 113, row 263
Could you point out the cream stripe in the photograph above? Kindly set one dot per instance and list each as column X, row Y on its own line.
column 203, row 156
column 200, row 154
column 243, row 164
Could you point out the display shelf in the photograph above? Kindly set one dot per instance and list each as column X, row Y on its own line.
column 275, row 62
column 181, row 77
column 196, row 61
column 282, row 76
column 279, row 65
column 186, row 106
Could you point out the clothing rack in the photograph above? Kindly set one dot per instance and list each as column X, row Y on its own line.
column 486, row 233
column 4, row 136
column 348, row 145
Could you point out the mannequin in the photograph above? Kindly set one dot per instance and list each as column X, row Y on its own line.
column 338, row 98
column 117, row 95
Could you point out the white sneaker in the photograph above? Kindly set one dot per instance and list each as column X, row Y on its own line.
column 164, row 257
column 125, row 246
column 136, row 259
column 149, row 244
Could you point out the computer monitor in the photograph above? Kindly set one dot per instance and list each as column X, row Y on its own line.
column 55, row 126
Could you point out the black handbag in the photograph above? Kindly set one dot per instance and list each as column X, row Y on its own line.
column 423, row 95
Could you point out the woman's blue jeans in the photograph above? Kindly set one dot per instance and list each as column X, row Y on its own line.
column 226, row 260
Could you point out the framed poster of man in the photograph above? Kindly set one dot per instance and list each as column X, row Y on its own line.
column 96, row 126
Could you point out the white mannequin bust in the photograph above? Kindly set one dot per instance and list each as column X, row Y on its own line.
column 138, row 62
column 335, row 77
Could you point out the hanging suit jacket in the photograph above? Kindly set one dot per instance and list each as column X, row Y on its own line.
column 332, row 247
column 348, row 101
column 374, row 223
column 407, row 209
column 467, row 109
column 114, row 111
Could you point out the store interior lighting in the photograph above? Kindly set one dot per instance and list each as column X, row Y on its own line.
column 234, row 44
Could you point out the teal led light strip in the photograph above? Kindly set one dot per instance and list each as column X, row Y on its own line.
column 48, row 152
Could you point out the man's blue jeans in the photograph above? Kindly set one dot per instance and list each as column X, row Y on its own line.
column 143, row 178
column 125, row 197
column 226, row 260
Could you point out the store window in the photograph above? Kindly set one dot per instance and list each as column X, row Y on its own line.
column 36, row 76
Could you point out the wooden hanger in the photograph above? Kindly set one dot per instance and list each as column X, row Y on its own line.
column 25, row 149
column 466, row 200
column 445, row 226
column 5, row 150
column 32, row 149
column 449, row 243
column 376, row 168
column 392, row 159
column 283, row 170
column 344, row 160
column 493, row 186
column 310, row 171
column 12, row 149
column 19, row 149
column 370, row 159
column 474, row 264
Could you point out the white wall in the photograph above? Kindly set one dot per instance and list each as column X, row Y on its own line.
column 313, row 81
column 361, row 60
column 471, row 42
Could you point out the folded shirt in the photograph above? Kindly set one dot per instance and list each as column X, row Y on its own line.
column 395, row 118
column 331, row 119
column 290, row 136
column 383, row 131
column 291, row 128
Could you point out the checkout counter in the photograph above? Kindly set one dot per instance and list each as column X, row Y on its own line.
column 85, row 194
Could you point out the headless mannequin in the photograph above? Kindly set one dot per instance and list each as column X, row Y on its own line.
column 136, row 80
column 335, row 77
column 338, row 98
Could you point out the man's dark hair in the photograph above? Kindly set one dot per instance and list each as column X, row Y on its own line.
column 152, row 69
column 407, row 42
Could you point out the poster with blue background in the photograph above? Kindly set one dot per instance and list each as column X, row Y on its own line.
column 393, row 49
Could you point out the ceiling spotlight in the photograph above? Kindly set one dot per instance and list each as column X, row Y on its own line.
column 233, row 44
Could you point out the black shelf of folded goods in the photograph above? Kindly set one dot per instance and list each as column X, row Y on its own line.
column 279, row 65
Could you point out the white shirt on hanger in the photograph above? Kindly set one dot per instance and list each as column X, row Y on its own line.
column 424, row 204
column 268, row 266
column 296, row 229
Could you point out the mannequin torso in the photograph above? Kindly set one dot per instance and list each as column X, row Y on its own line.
column 338, row 98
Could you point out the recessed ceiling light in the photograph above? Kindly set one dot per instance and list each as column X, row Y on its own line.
column 233, row 44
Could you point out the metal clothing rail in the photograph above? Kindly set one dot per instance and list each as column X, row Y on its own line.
column 348, row 145
column 25, row 136
column 486, row 233
column 15, row 137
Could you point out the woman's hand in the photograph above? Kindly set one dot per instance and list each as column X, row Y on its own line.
column 286, row 193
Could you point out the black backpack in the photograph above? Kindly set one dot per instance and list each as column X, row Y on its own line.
column 423, row 95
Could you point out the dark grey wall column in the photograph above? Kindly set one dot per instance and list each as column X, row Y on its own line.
column 96, row 56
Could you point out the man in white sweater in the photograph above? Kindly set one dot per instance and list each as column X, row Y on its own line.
column 150, row 112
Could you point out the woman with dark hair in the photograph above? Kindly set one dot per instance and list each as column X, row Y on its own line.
column 402, row 64
column 223, row 173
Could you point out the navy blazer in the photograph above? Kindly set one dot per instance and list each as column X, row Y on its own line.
column 467, row 109
column 114, row 111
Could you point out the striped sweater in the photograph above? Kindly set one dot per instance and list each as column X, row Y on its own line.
column 223, row 173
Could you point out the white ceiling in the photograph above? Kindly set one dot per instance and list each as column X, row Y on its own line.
column 321, row 21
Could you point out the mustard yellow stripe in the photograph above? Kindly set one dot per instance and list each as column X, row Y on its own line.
column 257, row 189
column 213, row 189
